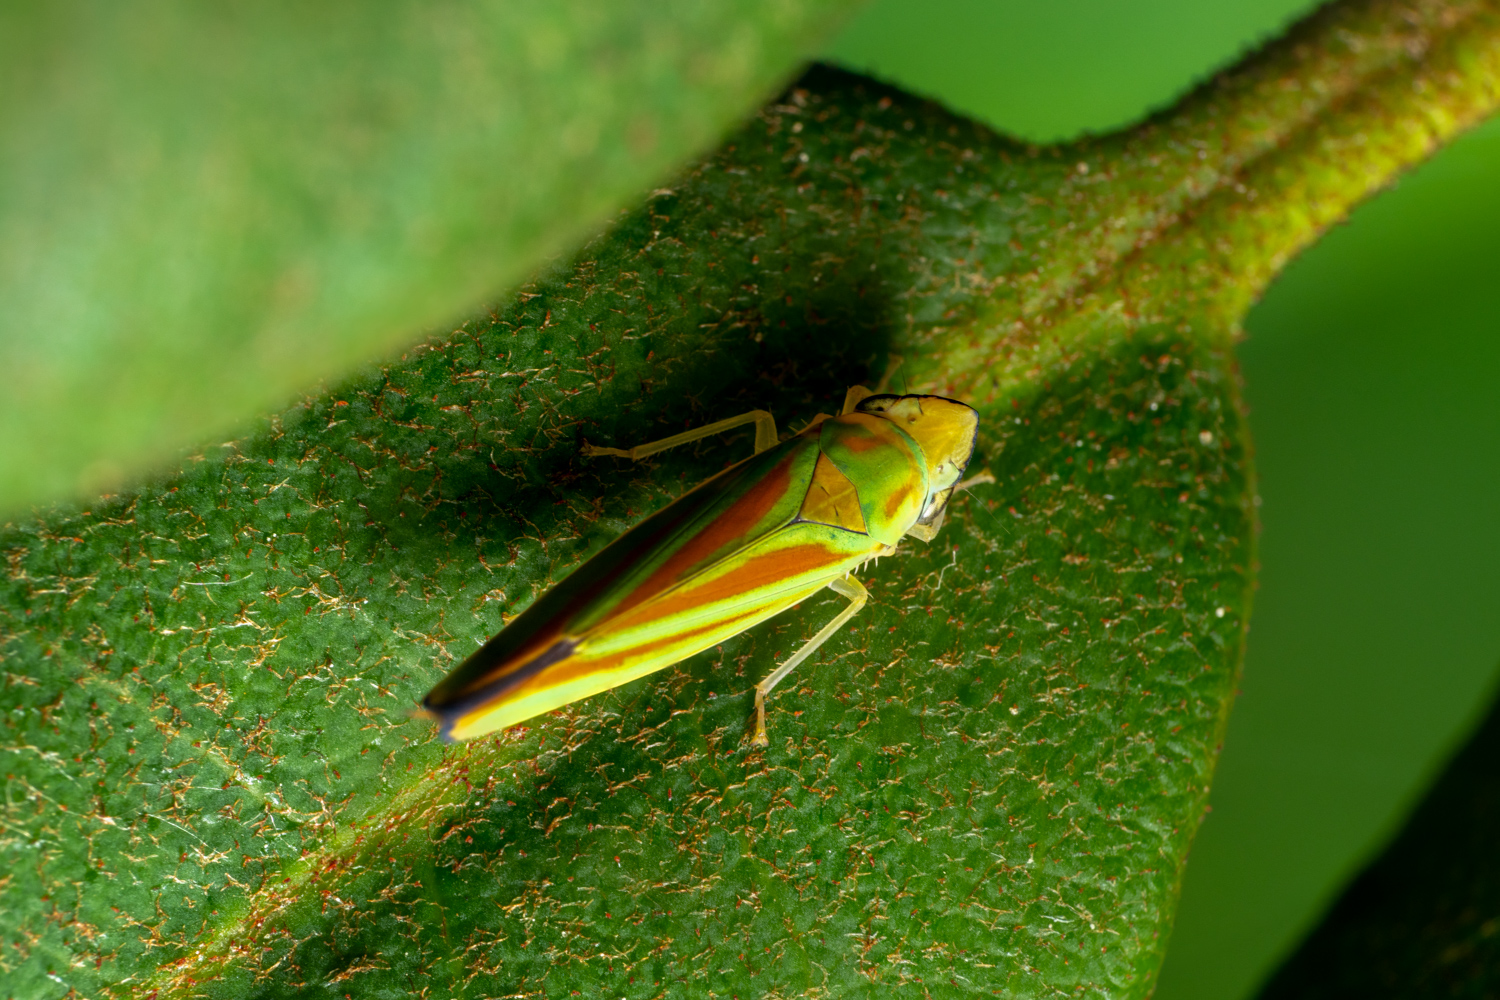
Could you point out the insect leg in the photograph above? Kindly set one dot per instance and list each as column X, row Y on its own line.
column 892, row 362
column 977, row 479
column 858, row 392
column 852, row 398
column 765, row 437
column 927, row 532
column 843, row 586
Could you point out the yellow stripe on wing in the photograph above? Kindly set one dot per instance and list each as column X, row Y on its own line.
column 587, row 672
column 713, row 606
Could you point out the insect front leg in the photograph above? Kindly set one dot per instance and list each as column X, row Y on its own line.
column 927, row 532
column 978, row 479
column 852, row 399
column 843, row 586
column 765, row 437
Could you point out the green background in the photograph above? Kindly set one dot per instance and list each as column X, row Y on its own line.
column 1371, row 369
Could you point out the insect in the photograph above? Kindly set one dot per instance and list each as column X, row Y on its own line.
column 797, row 516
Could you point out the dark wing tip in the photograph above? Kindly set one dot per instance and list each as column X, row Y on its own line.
column 443, row 719
column 446, row 709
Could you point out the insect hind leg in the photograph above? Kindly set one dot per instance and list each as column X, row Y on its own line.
column 765, row 437
column 843, row 586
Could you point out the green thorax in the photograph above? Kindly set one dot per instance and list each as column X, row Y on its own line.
column 885, row 465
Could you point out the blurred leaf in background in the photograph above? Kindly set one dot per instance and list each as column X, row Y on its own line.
column 1373, row 375
column 207, row 208
column 1049, row 71
column 1424, row 919
column 226, row 643
column 1371, row 369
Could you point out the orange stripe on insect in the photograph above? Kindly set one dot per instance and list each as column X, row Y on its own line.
column 532, row 651
column 754, row 574
column 736, row 522
column 900, row 497
column 551, row 630
column 862, row 440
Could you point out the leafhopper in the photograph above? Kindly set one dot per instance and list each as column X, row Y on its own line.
column 765, row 534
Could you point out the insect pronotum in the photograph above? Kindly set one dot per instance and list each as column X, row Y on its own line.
column 797, row 516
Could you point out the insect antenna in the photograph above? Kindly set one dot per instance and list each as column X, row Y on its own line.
column 893, row 362
column 979, row 479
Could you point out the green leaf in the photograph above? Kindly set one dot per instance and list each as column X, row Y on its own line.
column 1423, row 920
column 207, row 208
column 987, row 783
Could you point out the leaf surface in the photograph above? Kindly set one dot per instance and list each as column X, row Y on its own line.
column 987, row 783
column 207, row 209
